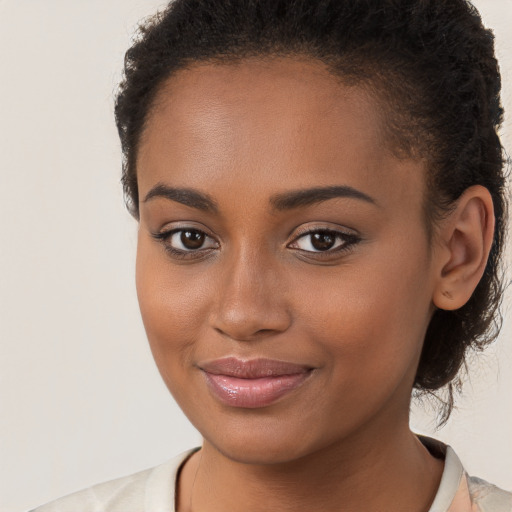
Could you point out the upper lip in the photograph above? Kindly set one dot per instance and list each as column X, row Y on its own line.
column 252, row 368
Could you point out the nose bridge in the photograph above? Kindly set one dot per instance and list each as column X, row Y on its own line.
column 251, row 302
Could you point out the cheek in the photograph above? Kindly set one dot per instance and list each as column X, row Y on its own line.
column 173, row 304
column 371, row 316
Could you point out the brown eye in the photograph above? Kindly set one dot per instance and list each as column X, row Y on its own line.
column 323, row 240
column 192, row 239
column 186, row 240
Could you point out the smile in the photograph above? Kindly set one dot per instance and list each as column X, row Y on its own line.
column 255, row 383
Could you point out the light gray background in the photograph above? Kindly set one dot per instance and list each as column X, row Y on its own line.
column 81, row 400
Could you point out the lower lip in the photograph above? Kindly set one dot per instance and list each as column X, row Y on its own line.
column 253, row 393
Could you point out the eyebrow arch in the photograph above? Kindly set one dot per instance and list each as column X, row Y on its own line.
column 186, row 196
column 307, row 197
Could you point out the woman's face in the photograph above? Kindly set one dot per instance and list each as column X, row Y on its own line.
column 276, row 225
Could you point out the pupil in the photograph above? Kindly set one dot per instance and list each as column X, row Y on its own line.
column 192, row 239
column 322, row 241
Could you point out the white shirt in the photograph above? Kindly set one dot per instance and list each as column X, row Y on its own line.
column 153, row 490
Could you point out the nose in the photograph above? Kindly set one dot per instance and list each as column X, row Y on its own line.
column 251, row 303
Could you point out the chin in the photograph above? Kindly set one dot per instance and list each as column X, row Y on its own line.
column 261, row 453
column 264, row 441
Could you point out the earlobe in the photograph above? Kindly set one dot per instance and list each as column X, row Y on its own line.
column 466, row 239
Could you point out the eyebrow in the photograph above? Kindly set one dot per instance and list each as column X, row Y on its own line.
column 186, row 196
column 310, row 196
column 282, row 201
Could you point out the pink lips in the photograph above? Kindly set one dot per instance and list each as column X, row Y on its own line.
column 254, row 383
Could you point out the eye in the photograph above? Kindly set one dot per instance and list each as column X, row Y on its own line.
column 324, row 241
column 186, row 242
column 189, row 240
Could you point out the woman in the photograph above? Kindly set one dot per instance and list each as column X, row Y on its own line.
column 320, row 194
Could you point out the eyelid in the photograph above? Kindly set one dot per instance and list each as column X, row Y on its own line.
column 183, row 225
column 338, row 230
column 313, row 228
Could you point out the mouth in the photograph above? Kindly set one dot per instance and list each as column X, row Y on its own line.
column 254, row 383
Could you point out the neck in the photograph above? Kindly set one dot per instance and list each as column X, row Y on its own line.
column 388, row 471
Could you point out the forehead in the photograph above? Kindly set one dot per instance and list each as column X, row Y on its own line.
column 299, row 80
column 286, row 118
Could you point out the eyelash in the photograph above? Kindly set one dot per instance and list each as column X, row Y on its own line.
column 349, row 241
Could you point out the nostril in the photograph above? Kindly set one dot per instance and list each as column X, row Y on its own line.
column 238, row 335
column 264, row 331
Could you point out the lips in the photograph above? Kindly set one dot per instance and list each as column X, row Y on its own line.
column 253, row 383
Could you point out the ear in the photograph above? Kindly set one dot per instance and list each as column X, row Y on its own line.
column 463, row 245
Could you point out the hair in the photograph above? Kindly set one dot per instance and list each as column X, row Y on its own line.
column 432, row 64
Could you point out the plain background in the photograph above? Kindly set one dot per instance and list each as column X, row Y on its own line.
column 81, row 400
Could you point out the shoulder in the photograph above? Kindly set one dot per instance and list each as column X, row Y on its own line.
column 151, row 490
column 459, row 492
column 487, row 497
column 120, row 494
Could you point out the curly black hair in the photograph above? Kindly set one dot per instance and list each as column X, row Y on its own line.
column 433, row 64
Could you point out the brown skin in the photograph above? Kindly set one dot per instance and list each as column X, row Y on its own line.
column 258, row 288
